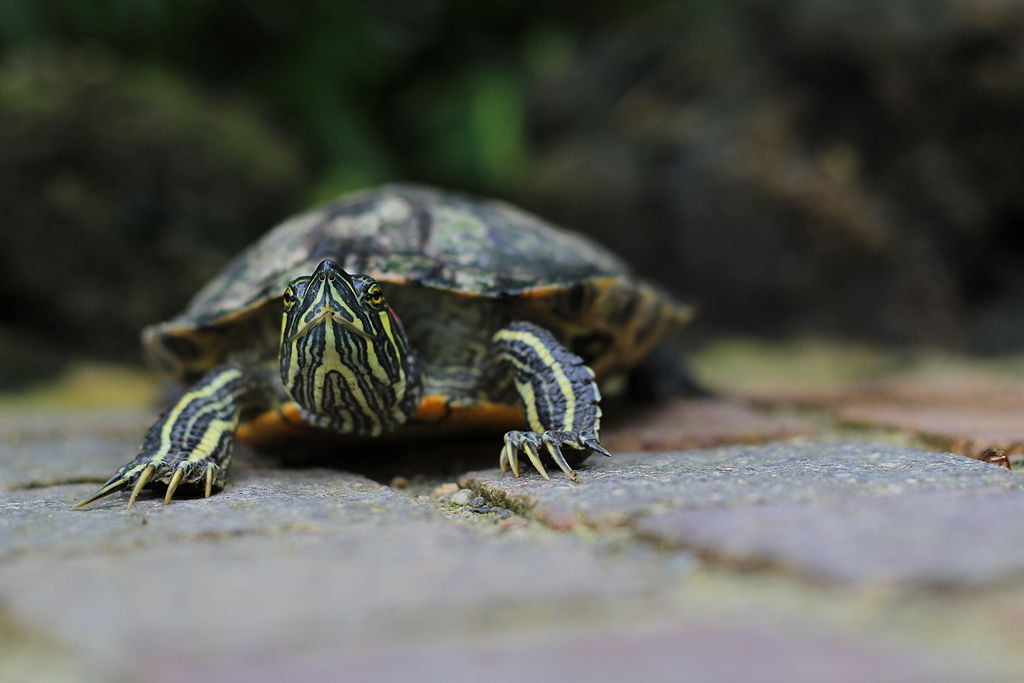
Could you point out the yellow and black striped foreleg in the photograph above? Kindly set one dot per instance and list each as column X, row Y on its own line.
column 191, row 443
column 560, row 397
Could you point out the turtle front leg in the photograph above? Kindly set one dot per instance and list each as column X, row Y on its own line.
column 560, row 397
column 191, row 443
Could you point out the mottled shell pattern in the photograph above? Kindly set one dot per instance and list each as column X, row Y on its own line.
column 421, row 237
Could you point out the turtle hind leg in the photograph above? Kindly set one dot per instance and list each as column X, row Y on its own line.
column 560, row 398
column 190, row 444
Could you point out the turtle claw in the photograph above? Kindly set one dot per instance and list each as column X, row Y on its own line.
column 534, row 456
column 556, row 455
column 175, row 470
column 129, row 475
column 593, row 445
column 172, row 486
column 553, row 441
column 140, row 483
column 506, row 460
column 134, row 474
column 113, row 485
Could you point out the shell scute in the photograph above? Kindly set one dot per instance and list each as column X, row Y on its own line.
column 406, row 235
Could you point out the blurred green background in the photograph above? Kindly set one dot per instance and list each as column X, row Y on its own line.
column 846, row 168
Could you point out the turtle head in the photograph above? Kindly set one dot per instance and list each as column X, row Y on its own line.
column 344, row 355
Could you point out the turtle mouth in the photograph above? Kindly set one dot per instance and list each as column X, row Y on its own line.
column 329, row 313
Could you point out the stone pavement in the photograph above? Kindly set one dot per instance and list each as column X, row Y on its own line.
column 823, row 553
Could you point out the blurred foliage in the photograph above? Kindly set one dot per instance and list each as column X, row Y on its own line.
column 120, row 189
column 846, row 166
column 405, row 88
column 840, row 166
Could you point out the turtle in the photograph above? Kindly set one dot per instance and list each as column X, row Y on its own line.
column 399, row 308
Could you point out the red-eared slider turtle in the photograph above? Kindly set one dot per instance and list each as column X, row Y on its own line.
column 393, row 307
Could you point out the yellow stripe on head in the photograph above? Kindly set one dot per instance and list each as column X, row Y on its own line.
column 343, row 358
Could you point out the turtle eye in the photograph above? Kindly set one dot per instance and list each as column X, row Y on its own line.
column 374, row 296
column 294, row 291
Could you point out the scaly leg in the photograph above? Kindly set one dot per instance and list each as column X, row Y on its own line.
column 191, row 443
column 560, row 397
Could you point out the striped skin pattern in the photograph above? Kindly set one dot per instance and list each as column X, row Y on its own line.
column 344, row 356
column 559, row 394
column 191, row 443
column 458, row 268
column 345, row 359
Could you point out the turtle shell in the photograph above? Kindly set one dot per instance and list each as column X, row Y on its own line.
column 402, row 235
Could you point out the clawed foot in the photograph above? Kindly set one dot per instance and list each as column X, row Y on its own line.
column 553, row 441
column 172, row 471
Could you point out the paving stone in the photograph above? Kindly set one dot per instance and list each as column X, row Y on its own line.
column 933, row 539
column 279, row 565
column 77, row 458
column 822, row 375
column 958, row 406
column 693, row 651
column 698, row 424
column 255, row 502
column 614, row 491
column 948, row 386
column 857, row 513
column 21, row 426
column 966, row 428
column 309, row 572
column 39, row 456
column 48, row 448
column 288, row 591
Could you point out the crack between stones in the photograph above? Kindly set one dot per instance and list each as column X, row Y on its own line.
column 714, row 559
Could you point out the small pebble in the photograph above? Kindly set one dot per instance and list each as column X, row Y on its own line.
column 400, row 482
column 445, row 490
column 478, row 502
column 462, row 497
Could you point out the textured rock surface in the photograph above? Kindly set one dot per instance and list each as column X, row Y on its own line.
column 52, row 447
column 857, row 513
column 256, row 503
column 956, row 404
column 304, row 573
column 614, row 491
column 966, row 428
column 278, row 564
column 690, row 651
column 698, row 424
column 933, row 539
